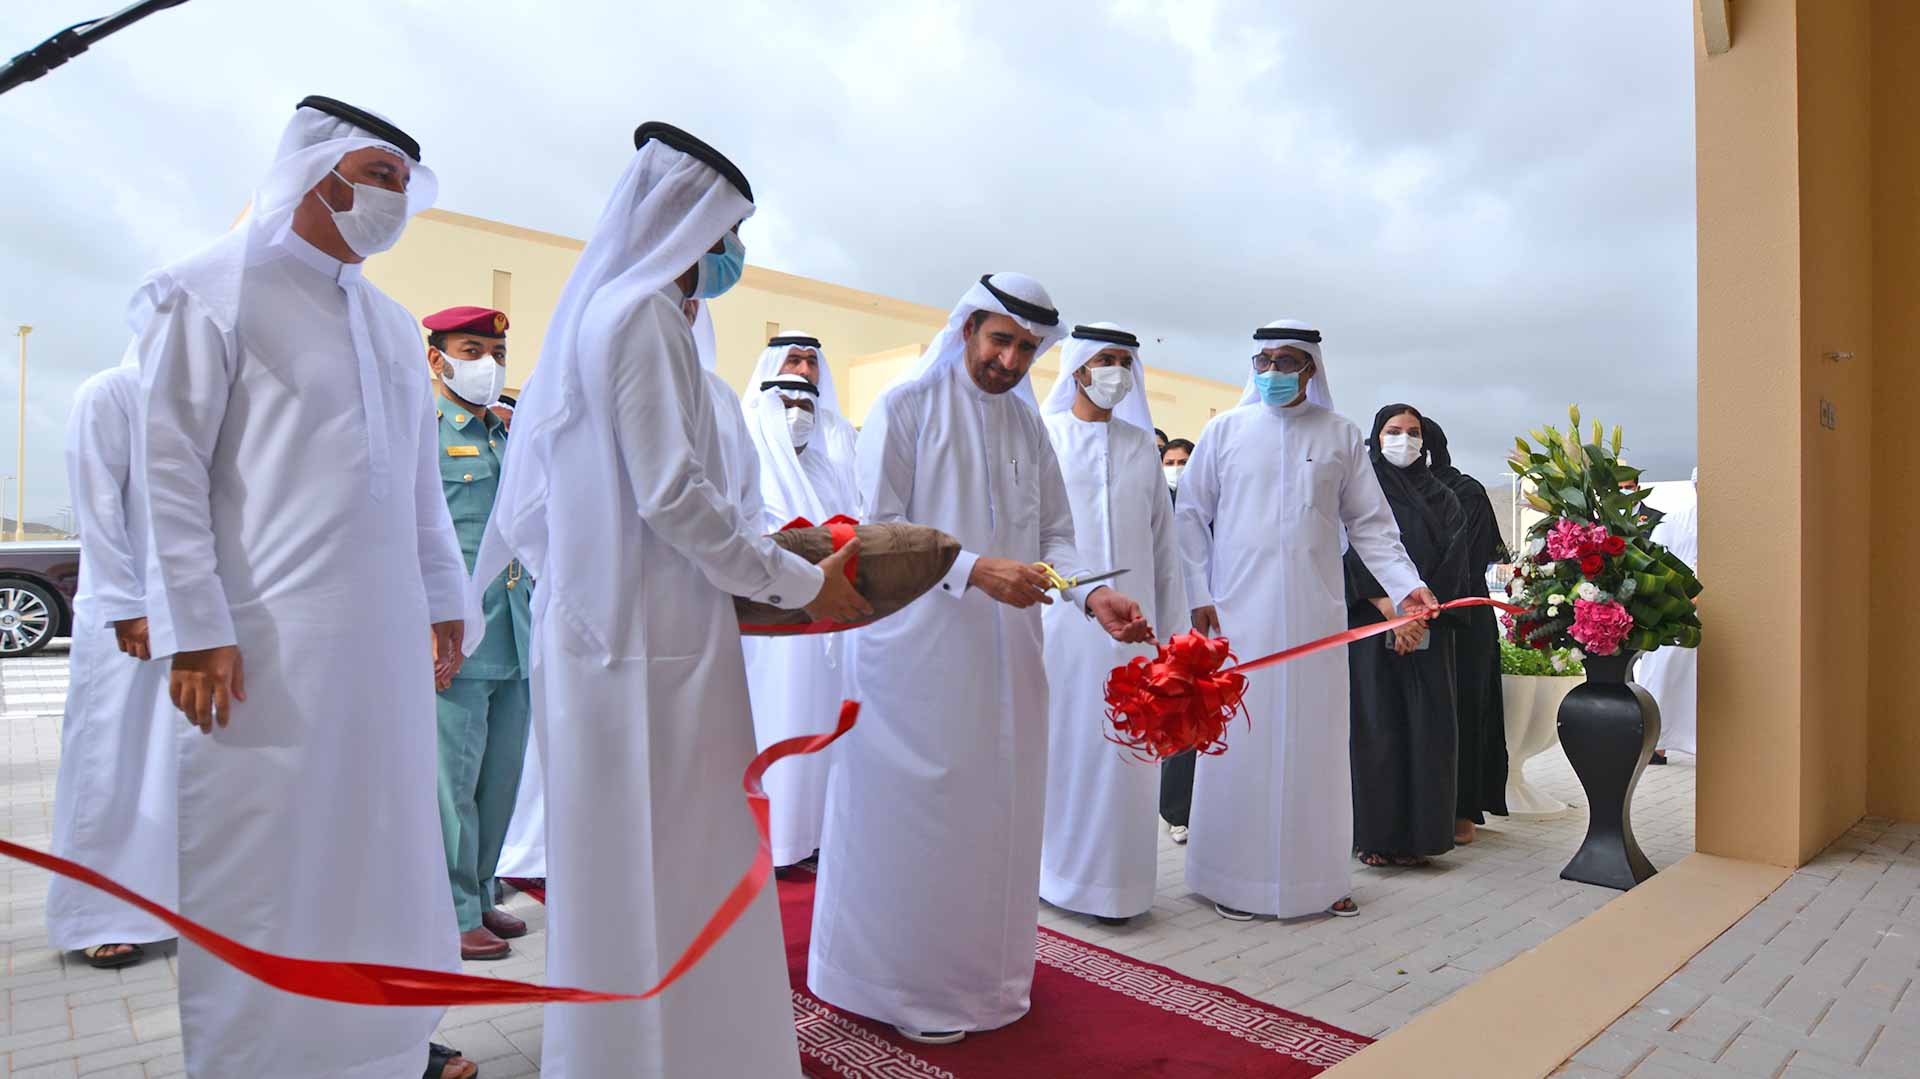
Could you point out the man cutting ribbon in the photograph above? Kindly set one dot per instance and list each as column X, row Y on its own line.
column 930, row 863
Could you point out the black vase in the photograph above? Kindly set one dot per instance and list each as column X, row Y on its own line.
column 1608, row 727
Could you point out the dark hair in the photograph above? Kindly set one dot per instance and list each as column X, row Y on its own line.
column 974, row 320
column 1161, row 435
column 438, row 339
column 1177, row 444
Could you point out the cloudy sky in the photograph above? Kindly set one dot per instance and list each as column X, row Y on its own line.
column 1486, row 206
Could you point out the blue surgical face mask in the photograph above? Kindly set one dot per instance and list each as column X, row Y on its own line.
column 720, row 272
column 1276, row 388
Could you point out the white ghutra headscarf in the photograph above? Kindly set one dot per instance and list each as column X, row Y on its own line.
column 832, row 430
column 1084, row 344
column 1292, row 333
column 1015, row 295
column 668, row 208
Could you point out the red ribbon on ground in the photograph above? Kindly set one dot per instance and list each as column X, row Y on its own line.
column 840, row 527
column 375, row 983
column 1184, row 698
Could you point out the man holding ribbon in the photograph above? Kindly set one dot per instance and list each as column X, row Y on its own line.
column 1274, row 491
column 930, row 865
column 797, row 682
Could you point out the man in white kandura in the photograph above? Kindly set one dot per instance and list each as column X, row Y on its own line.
column 1263, row 505
column 930, row 862
column 314, row 588
column 797, row 352
column 1101, row 851
column 640, row 693
column 735, row 471
column 797, row 682
column 113, row 801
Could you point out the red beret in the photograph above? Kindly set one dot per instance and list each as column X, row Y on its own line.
column 484, row 321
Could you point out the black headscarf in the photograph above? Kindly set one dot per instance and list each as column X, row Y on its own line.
column 1415, row 488
column 1484, row 545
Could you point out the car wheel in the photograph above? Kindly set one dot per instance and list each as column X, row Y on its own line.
column 28, row 617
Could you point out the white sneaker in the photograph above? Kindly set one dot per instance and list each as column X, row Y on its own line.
column 931, row 1037
column 1230, row 914
column 1178, row 833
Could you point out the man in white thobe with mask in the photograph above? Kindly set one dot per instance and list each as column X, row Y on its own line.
column 797, row 681
column 292, row 478
column 1100, row 855
column 930, row 865
column 113, row 805
column 1264, row 503
column 797, row 352
column 640, row 693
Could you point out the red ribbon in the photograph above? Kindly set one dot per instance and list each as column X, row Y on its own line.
column 1183, row 698
column 375, row 983
column 840, row 527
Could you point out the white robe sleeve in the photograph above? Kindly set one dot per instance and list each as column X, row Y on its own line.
column 186, row 373
column 1197, row 498
column 1371, row 530
column 99, row 459
column 652, row 398
column 1057, row 547
column 443, row 568
column 1169, row 577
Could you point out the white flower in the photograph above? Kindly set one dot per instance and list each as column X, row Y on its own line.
column 1549, row 569
column 1576, row 655
column 1588, row 591
column 1560, row 663
column 1556, row 599
column 1553, row 612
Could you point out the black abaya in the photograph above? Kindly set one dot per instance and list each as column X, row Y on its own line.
column 1404, row 730
column 1482, row 787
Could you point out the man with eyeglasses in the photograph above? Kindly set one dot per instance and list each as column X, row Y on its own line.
column 1274, row 491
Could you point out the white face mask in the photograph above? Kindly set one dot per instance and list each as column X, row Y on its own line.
column 1109, row 387
column 1173, row 474
column 477, row 382
column 375, row 220
column 1400, row 450
column 799, row 426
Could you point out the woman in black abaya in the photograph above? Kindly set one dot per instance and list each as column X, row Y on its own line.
column 1405, row 733
column 1482, row 712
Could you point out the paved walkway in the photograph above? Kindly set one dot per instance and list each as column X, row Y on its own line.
column 1422, row 933
column 1818, row 981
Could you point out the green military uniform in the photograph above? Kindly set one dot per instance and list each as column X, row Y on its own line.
column 484, row 713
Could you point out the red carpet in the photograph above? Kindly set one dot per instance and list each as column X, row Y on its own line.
column 1096, row 1014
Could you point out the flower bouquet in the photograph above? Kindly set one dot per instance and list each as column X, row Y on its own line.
column 1591, row 577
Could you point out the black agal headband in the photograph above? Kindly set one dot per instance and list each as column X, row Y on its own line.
column 1106, row 336
column 1032, row 312
column 695, row 148
column 364, row 120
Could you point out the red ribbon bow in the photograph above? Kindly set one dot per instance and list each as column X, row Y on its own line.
column 1184, row 699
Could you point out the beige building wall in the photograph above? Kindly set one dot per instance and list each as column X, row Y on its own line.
column 448, row 259
column 1809, row 224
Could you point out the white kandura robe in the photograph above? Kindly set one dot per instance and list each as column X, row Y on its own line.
column 113, row 803
column 1262, row 505
column 930, row 865
column 798, row 682
column 647, row 828
column 309, row 826
column 1100, row 854
column 524, row 852
column 1672, row 674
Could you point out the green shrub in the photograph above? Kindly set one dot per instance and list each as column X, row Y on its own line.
column 1532, row 661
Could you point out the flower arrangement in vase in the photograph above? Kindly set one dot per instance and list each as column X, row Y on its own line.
column 1591, row 577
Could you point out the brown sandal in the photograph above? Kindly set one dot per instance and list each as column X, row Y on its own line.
column 445, row 1062
column 97, row 958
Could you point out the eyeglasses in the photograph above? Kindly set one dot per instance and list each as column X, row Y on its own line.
column 1286, row 365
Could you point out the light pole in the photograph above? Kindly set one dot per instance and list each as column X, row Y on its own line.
column 4, row 480
column 20, row 463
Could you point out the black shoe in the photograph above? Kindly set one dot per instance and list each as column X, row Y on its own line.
column 1104, row 920
column 1657, row 758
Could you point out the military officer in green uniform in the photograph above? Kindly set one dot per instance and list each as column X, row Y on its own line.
column 484, row 710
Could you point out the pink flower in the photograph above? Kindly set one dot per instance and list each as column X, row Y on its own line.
column 1567, row 539
column 1600, row 626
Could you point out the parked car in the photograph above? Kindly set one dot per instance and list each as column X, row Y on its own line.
column 37, row 581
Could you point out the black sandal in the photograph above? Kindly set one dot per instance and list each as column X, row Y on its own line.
column 95, row 959
column 439, row 1056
